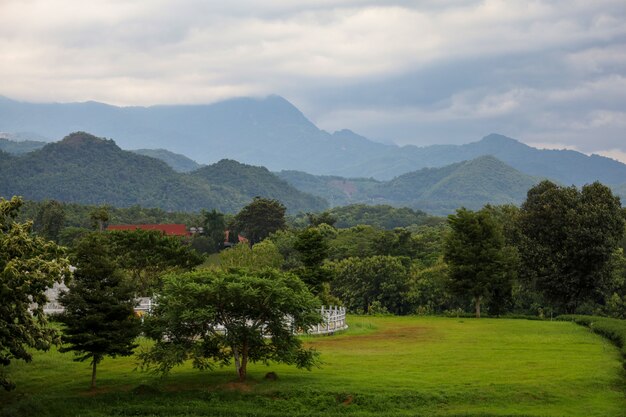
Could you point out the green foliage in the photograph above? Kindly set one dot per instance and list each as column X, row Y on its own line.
column 481, row 265
column 312, row 247
column 428, row 289
column 147, row 254
column 259, row 310
column 29, row 265
column 359, row 282
column 214, row 224
column 471, row 184
column 260, row 218
column 50, row 220
column 260, row 256
column 568, row 240
column 99, row 318
column 253, row 181
column 379, row 216
column 178, row 162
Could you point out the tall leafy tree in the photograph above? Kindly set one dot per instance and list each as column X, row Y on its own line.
column 313, row 249
column 29, row 265
column 260, row 218
column 222, row 316
column 481, row 265
column 363, row 282
column 568, row 237
column 214, row 227
column 99, row 318
column 147, row 254
column 99, row 218
column 50, row 220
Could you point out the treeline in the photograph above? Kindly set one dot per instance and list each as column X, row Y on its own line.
column 562, row 251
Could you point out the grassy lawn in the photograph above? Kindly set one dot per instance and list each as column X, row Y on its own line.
column 382, row 366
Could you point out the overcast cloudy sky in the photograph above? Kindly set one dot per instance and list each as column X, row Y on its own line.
column 549, row 73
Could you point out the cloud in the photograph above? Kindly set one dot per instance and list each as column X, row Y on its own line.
column 414, row 72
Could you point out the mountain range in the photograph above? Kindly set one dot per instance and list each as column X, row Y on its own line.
column 85, row 169
column 273, row 133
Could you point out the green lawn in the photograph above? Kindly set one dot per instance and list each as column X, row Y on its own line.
column 382, row 366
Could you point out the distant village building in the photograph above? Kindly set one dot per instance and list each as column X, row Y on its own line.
column 167, row 229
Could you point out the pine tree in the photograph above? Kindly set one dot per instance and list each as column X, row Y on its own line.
column 98, row 315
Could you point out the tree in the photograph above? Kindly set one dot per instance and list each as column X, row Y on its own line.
column 99, row 218
column 50, row 220
column 259, row 311
column 481, row 265
column 317, row 219
column 313, row 249
column 262, row 255
column 214, row 227
column 98, row 316
column 29, row 265
column 363, row 282
column 147, row 254
column 568, row 238
column 260, row 218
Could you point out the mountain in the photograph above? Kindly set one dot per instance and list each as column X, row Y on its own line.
column 272, row 132
column 14, row 144
column 254, row 181
column 471, row 184
column 269, row 132
column 85, row 169
column 178, row 162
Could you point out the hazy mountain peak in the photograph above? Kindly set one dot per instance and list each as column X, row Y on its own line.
column 498, row 139
column 83, row 139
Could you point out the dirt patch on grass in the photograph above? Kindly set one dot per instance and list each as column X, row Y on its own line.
column 247, row 386
column 399, row 334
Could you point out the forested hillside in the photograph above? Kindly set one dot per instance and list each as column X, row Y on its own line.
column 85, row 169
column 178, row 162
column 435, row 190
column 253, row 181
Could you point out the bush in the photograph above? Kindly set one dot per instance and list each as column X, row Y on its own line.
column 611, row 329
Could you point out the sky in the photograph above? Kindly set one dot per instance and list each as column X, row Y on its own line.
column 548, row 73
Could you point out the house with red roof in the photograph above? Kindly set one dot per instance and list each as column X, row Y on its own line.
column 166, row 229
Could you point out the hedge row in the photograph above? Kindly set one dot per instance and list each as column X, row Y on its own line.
column 612, row 329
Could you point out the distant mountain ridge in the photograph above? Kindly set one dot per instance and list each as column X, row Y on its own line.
column 272, row 132
column 89, row 170
column 472, row 184
column 178, row 162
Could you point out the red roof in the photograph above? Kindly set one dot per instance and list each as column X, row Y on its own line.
column 168, row 229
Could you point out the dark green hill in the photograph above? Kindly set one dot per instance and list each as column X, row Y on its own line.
column 253, row 181
column 178, row 162
column 471, row 184
column 85, row 169
column 20, row 147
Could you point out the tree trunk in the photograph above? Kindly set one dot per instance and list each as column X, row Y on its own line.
column 236, row 356
column 244, row 363
column 478, row 300
column 93, row 373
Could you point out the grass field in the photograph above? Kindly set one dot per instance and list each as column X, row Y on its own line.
column 406, row 366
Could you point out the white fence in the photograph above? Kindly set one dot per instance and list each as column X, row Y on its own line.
column 333, row 318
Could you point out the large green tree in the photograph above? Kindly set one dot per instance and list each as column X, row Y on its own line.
column 568, row 237
column 219, row 316
column 99, row 318
column 147, row 254
column 260, row 218
column 362, row 283
column 50, row 220
column 29, row 265
column 481, row 265
column 214, row 225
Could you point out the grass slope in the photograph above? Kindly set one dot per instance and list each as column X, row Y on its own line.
column 381, row 366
